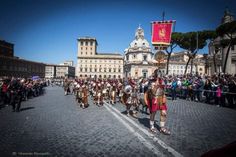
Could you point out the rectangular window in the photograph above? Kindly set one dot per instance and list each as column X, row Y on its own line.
column 91, row 43
column 81, row 43
column 81, row 69
column 145, row 58
column 86, row 43
column 114, row 69
column 109, row 69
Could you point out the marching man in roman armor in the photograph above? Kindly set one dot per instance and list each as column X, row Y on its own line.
column 131, row 98
column 156, row 100
column 85, row 95
column 105, row 90
column 99, row 96
column 119, row 91
column 94, row 88
column 78, row 93
column 112, row 94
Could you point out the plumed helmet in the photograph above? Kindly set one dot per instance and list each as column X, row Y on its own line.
column 157, row 73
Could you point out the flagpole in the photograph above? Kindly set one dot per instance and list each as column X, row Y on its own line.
column 163, row 16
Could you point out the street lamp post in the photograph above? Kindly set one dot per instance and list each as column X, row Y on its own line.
column 206, row 63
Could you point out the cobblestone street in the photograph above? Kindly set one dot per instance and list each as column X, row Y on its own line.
column 54, row 125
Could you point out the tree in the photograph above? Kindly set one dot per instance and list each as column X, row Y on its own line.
column 216, row 51
column 192, row 41
column 175, row 38
column 227, row 32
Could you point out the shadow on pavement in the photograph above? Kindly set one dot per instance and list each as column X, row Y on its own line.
column 145, row 122
column 228, row 150
column 26, row 108
column 124, row 112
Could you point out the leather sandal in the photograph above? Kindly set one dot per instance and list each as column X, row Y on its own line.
column 164, row 131
column 153, row 130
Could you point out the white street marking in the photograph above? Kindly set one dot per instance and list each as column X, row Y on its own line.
column 155, row 139
column 141, row 138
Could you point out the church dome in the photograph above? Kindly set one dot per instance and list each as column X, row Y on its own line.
column 139, row 41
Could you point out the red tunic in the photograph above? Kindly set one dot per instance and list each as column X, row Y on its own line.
column 156, row 106
column 158, row 102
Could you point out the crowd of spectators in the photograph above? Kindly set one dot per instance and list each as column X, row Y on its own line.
column 219, row 90
column 15, row 90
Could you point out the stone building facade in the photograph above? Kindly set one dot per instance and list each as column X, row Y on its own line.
column 138, row 57
column 91, row 64
column 178, row 62
column 13, row 66
column 59, row 71
column 217, row 52
column 6, row 49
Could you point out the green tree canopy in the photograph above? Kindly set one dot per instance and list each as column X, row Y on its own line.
column 192, row 41
column 227, row 31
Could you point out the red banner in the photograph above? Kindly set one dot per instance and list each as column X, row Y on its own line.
column 161, row 33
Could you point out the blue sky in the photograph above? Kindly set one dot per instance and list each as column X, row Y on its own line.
column 47, row 30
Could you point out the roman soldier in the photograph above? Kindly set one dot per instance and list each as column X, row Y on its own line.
column 156, row 100
column 78, row 89
column 112, row 94
column 119, row 91
column 84, row 96
column 99, row 96
column 131, row 98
